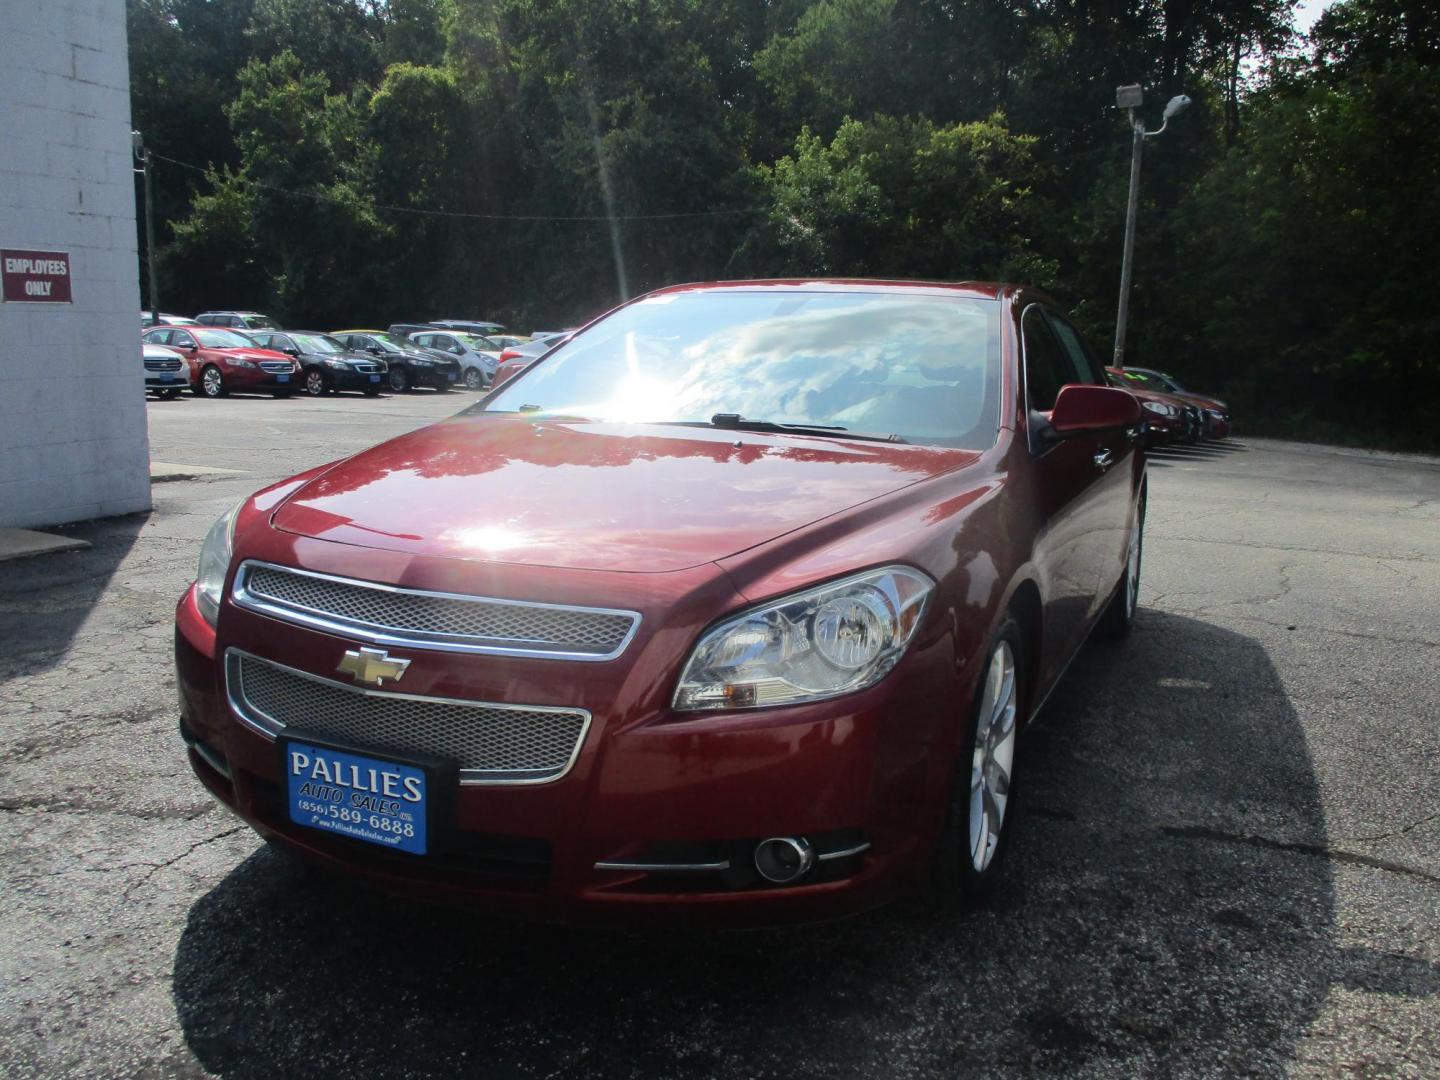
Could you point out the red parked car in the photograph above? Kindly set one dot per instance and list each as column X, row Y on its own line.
column 222, row 361
column 1214, row 412
column 1168, row 419
column 732, row 610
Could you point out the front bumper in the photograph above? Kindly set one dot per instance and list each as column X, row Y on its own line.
column 435, row 378
column 853, row 773
column 175, row 381
column 350, row 379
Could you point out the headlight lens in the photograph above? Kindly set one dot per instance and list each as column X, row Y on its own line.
column 336, row 364
column 1158, row 407
column 239, row 361
column 809, row 646
column 214, row 564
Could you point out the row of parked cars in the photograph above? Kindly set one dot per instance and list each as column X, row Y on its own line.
column 222, row 352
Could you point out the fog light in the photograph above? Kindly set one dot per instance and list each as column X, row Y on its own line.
column 783, row 859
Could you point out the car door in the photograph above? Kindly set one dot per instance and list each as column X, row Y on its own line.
column 1072, row 496
column 1114, row 488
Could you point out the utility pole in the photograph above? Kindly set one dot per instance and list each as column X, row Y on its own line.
column 1130, row 98
column 142, row 155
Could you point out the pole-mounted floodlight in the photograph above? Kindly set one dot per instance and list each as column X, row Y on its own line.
column 1131, row 98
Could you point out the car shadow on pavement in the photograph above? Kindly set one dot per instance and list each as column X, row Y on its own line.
column 1168, row 908
column 45, row 599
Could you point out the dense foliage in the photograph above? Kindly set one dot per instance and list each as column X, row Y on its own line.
column 361, row 161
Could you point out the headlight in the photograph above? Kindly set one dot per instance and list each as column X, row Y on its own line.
column 214, row 564
column 1158, row 407
column 337, row 364
column 421, row 362
column 809, row 646
column 239, row 361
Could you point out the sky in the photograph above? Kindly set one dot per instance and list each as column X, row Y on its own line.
column 1307, row 11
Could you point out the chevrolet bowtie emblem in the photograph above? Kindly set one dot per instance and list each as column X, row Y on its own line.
column 372, row 666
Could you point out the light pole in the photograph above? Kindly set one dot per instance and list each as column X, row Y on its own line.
column 137, row 143
column 1130, row 98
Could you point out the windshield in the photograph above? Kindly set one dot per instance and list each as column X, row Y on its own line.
column 260, row 322
column 391, row 342
column 1165, row 382
column 317, row 343
column 222, row 339
column 923, row 368
column 475, row 341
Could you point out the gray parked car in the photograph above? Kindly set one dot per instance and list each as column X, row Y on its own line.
column 478, row 360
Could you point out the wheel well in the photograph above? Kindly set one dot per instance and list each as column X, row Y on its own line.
column 1026, row 609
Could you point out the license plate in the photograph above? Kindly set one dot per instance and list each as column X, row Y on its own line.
column 451, row 376
column 374, row 378
column 382, row 802
column 282, row 378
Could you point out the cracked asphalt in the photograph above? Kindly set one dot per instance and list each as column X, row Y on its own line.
column 1228, row 858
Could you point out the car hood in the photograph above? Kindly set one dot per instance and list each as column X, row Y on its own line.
column 639, row 497
column 249, row 353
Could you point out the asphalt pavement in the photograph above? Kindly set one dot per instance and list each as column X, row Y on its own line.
column 1228, row 858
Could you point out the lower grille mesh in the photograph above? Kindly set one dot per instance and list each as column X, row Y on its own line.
column 488, row 741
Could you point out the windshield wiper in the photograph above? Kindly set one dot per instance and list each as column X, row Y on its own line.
column 736, row 422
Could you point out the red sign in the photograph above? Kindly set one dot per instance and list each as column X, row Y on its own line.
column 35, row 277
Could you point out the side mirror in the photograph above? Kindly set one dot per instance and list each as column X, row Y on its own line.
column 374, row 350
column 290, row 350
column 1080, row 408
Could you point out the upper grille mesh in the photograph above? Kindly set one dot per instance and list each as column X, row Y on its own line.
column 527, row 627
column 501, row 743
column 276, row 367
column 162, row 363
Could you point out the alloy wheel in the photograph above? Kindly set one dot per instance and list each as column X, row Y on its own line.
column 473, row 379
column 993, row 758
column 399, row 380
column 315, row 384
column 211, row 382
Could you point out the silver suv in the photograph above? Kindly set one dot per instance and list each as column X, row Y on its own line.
column 238, row 320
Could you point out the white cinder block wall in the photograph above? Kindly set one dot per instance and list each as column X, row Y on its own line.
column 73, row 442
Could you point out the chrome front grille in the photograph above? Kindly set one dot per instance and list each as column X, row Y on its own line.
column 492, row 743
column 388, row 615
column 366, row 368
column 277, row 367
column 157, row 363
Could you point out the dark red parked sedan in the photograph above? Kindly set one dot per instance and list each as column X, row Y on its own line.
column 732, row 610
column 225, row 361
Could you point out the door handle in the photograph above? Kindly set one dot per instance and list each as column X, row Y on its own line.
column 1103, row 460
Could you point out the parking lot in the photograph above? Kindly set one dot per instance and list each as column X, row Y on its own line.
column 1228, row 859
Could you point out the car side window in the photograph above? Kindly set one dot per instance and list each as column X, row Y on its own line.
column 422, row 340
column 158, row 337
column 181, row 338
column 1075, row 346
column 262, row 340
column 1047, row 368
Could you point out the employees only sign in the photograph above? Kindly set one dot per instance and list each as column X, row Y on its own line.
column 36, row 277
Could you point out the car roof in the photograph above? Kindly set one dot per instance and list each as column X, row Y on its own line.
column 233, row 313
column 985, row 290
column 358, row 331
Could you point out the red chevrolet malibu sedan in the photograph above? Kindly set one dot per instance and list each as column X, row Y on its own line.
column 731, row 610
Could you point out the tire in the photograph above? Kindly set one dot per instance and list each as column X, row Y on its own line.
column 212, row 383
column 473, row 379
column 315, row 383
column 1119, row 615
column 399, row 380
column 981, row 808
